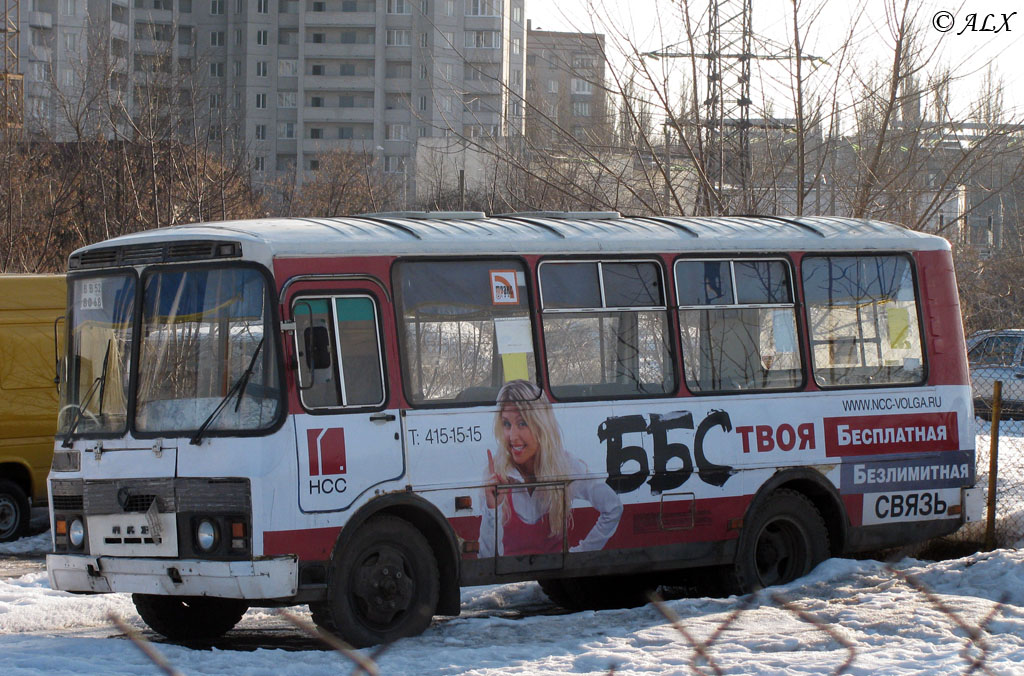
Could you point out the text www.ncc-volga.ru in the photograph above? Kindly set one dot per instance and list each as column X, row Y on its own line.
column 912, row 403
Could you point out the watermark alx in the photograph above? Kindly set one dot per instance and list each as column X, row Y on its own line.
column 945, row 21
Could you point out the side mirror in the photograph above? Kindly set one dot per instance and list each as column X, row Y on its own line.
column 57, row 361
column 317, row 343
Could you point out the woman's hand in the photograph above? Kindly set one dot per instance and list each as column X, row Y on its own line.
column 494, row 498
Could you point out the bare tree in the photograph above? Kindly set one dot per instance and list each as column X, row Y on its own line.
column 345, row 183
column 118, row 158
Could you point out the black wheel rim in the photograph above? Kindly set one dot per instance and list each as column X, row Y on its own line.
column 781, row 552
column 383, row 587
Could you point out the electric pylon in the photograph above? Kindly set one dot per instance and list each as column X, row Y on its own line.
column 12, row 84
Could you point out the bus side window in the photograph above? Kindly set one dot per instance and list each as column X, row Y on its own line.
column 606, row 329
column 737, row 324
column 339, row 352
column 318, row 385
column 464, row 328
column 362, row 379
column 862, row 316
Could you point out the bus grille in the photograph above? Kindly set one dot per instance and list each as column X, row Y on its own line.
column 120, row 496
column 136, row 503
column 168, row 252
column 67, row 503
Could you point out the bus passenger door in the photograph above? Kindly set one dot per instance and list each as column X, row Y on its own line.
column 347, row 439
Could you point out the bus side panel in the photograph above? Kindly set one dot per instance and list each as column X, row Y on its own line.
column 944, row 334
column 898, row 457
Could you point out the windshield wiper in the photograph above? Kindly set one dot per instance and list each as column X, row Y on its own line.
column 98, row 385
column 238, row 387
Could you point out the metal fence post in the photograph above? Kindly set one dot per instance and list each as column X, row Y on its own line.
column 993, row 465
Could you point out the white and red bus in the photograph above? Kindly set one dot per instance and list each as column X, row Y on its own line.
column 366, row 414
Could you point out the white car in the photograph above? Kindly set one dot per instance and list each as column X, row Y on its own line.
column 997, row 355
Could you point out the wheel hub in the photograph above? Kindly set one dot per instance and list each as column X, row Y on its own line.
column 383, row 586
column 778, row 553
column 8, row 515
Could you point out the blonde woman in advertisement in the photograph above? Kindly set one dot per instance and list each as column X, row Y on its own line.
column 530, row 451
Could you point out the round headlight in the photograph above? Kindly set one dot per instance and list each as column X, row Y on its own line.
column 76, row 533
column 206, row 535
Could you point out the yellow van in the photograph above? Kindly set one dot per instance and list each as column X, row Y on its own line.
column 29, row 308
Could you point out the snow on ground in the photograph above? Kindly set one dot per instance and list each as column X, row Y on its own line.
column 33, row 545
column 894, row 627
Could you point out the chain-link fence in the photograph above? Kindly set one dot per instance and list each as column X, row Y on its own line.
column 999, row 406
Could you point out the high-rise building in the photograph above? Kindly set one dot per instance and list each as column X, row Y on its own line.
column 289, row 80
column 566, row 92
column 53, row 42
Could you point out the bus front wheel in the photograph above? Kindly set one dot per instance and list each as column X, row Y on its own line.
column 192, row 618
column 784, row 539
column 14, row 511
column 384, row 584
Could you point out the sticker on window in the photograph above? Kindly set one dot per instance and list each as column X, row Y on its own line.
column 504, row 290
column 515, row 342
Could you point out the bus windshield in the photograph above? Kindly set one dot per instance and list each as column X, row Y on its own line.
column 207, row 359
column 94, row 397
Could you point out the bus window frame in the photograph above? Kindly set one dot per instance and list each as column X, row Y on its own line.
column 925, row 346
column 798, row 316
column 273, row 325
column 92, row 273
column 303, row 295
column 528, row 271
column 672, row 337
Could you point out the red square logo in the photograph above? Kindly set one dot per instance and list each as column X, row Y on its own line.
column 326, row 450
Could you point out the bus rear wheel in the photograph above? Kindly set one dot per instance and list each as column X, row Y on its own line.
column 785, row 540
column 189, row 618
column 384, row 584
column 14, row 511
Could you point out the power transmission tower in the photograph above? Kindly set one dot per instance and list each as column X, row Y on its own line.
column 727, row 121
column 12, row 85
column 725, row 186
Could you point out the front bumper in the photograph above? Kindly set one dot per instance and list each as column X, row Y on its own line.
column 265, row 578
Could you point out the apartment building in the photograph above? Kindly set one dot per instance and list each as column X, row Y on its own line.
column 289, row 80
column 53, row 44
column 565, row 92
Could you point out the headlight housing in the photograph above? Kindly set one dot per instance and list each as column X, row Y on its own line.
column 76, row 532
column 207, row 535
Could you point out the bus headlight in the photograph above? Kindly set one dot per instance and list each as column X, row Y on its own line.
column 206, row 535
column 76, row 533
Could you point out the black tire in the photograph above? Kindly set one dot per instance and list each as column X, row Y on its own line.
column 598, row 593
column 785, row 539
column 189, row 618
column 14, row 511
column 383, row 585
column 321, row 615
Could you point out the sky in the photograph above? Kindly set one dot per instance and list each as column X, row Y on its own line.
column 946, row 33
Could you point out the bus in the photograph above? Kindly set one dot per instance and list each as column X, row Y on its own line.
column 30, row 309
column 366, row 414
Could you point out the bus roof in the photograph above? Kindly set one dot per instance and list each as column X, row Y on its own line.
column 469, row 233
